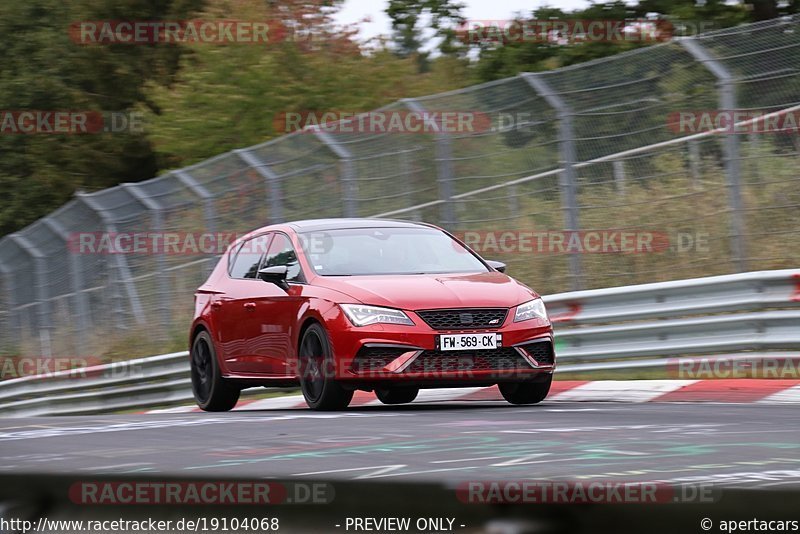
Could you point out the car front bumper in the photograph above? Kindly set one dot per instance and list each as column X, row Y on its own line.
column 409, row 355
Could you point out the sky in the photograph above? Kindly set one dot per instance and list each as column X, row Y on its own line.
column 355, row 10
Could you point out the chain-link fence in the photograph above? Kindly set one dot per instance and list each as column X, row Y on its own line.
column 591, row 149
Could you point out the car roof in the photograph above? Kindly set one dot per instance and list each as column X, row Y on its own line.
column 317, row 225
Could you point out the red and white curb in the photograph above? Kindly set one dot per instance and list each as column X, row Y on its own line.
column 631, row 391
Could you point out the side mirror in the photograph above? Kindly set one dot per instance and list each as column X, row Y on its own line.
column 497, row 265
column 275, row 275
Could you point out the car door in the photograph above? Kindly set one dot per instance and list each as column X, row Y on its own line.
column 236, row 310
column 278, row 309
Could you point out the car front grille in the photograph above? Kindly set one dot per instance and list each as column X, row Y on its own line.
column 464, row 318
column 373, row 359
column 434, row 361
column 541, row 351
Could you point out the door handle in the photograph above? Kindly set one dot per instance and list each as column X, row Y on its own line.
column 250, row 305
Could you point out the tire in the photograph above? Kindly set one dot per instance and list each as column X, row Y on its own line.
column 397, row 395
column 320, row 389
column 211, row 391
column 529, row 392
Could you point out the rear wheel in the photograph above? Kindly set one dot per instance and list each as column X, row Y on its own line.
column 397, row 395
column 317, row 380
column 211, row 391
column 528, row 392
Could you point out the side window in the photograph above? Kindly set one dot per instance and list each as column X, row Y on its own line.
column 281, row 252
column 247, row 260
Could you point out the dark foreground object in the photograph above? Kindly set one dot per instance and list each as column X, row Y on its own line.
column 29, row 498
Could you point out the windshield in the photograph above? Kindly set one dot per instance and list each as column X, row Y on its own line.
column 372, row 251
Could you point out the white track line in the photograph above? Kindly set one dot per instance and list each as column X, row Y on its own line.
column 444, row 394
column 632, row 391
column 621, row 390
column 787, row 396
column 177, row 409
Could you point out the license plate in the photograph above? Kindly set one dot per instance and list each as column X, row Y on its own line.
column 448, row 342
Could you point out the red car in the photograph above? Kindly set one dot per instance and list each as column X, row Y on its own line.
column 338, row 305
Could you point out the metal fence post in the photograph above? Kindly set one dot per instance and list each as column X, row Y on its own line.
column 694, row 163
column 407, row 170
column 40, row 274
column 347, row 174
column 165, row 300
column 13, row 320
column 727, row 102
column 444, row 169
column 272, row 180
column 513, row 201
column 209, row 211
column 568, row 177
column 120, row 261
column 76, row 282
column 619, row 175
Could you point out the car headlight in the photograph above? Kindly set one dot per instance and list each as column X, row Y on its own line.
column 531, row 310
column 361, row 315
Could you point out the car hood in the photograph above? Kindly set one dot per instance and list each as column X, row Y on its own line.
column 419, row 292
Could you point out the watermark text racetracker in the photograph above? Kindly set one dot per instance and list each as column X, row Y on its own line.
column 69, row 122
column 582, row 492
column 384, row 121
column 257, row 493
column 565, row 31
column 745, row 121
column 194, row 32
column 67, row 367
column 742, row 366
column 178, row 243
column 598, row 241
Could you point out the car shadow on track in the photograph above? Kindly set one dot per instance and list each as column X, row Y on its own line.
column 426, row 407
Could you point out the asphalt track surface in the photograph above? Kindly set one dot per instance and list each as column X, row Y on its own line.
column 729, row 445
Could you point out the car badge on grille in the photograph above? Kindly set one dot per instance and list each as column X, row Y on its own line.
column 466, row 318
column 494, row 321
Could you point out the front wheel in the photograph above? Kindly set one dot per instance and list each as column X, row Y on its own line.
column 397, row 395
column 529, row 392
column 211, row 391
column 317, row 379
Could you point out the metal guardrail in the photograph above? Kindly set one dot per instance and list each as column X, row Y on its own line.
column 616, row 329
column 756, row 311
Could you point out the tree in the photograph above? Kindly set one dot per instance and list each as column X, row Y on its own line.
column 500, row 60
column 42, row 69
column 406, row 16
column 229, row 97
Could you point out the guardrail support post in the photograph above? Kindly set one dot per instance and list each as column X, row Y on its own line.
column 40, row 275
column 272, row 181
column 444, row 169
column 347, row 174
column 567, row 178
column 727, row 103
